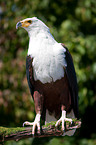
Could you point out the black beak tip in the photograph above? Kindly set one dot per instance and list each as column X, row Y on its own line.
column 19, row 24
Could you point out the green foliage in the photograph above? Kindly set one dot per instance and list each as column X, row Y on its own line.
column 71, row 22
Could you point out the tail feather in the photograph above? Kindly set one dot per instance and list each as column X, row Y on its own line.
column 49, row 117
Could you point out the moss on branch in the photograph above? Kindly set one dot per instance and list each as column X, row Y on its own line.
column 49, row 129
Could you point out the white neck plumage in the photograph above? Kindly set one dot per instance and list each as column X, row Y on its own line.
column 48, row 56
column 39, row 39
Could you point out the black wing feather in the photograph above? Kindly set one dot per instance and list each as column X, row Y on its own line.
column 29, row 74
column 70, row 71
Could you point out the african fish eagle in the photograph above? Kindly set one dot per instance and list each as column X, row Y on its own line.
column 51, row 76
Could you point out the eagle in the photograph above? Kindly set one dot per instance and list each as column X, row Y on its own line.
column 51, row 76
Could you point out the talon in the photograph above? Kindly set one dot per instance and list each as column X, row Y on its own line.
column 27, row 123
column 71, row 122
column 63, row 119
column 58, row 122
column 35, row 123
column 23, row 124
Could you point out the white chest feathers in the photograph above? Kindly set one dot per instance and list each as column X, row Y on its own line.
column 48, row 61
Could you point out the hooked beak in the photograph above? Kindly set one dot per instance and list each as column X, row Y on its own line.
column 19, row 24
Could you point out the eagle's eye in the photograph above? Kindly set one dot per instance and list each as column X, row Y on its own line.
column 29, row 21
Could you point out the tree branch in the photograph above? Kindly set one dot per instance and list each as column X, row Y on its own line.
column 26, row 132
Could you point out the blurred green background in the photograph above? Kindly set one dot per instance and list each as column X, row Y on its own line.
column 72, row 22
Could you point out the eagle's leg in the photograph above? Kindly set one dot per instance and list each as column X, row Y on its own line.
column 38, row 100
column 63, row 119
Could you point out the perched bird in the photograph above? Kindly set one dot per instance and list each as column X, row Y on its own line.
column 51, row 76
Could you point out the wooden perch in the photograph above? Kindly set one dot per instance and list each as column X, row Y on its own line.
column 26, row 132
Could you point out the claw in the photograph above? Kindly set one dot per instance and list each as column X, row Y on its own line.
column 27, row 123
column 35, row 123
column 63, row 119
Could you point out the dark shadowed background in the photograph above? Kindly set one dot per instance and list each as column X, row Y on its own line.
column 72, row 22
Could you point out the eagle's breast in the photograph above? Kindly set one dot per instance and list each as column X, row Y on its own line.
column 48, row 62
